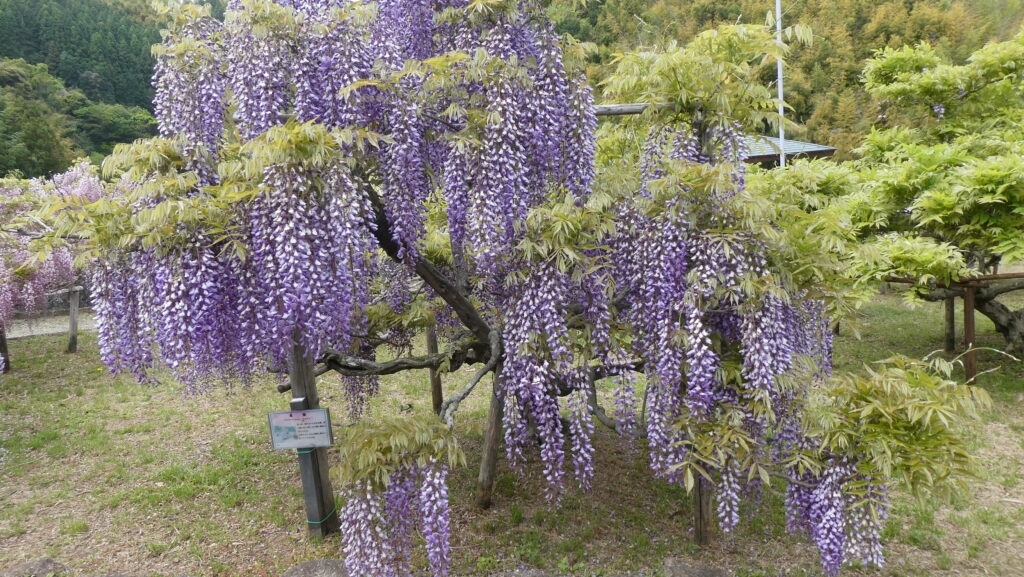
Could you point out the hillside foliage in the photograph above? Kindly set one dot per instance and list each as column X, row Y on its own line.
column 86, row 43
column 823, row 78
column 102, row 48
column 45, row 126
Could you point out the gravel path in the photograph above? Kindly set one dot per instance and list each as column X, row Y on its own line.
column 48, row 325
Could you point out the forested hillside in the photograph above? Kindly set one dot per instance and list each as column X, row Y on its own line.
column 99, row 53
column 88, row 44
column 149, row 11
column 44, row 125
column 823, row 79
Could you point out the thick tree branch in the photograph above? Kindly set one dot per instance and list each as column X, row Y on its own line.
column 941, row 294
column 444, row 287
column 351, row 366
column 601, row 372
column 995, row 290
column 465, row 353
column 984, row 293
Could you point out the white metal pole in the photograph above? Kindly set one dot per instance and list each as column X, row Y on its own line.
column 782, row 128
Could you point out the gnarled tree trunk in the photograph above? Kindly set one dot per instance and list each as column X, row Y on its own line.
column 1009, row 323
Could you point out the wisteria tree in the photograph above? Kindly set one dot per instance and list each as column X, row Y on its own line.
column 332, row 177
column 938, row 191
column 948, row 161
column 25, row 279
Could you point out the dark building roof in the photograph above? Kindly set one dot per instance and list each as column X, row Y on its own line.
column 764, row 150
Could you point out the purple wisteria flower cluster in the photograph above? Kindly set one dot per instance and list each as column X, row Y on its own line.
column 189, row 83
column 843, row 511
column 24, row 281
column 712, row 345
column 211, row 316
column 326, row 133
column 303, row 127
column 378, row 525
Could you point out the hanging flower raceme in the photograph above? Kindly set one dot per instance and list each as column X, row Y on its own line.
column 333, row 57
column 25, row 279
column 263, row 59
column 405, row 186
column 308, row 231
column 292, row 270
column 532, row 142
column 537, row 359
column 394, row 479
column 123, row 338
column 720, row 354
column 579, row 146
column 190, row 84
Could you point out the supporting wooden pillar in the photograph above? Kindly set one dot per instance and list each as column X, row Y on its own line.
column 4, row 351
column 321, row 513
column 703, row 512
column 436, row 394
column 73, row 298
column 492, row 439
column 971, row 358
column 950, row 340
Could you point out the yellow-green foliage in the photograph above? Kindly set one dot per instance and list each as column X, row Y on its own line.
column 905, row 419
column 937, row 193
column 823, row 79
column 713, row 77
column 372, row 450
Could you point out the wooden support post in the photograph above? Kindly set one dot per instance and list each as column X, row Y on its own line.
column 492, row 438
column 950, row 341
column 703, row 512
column 73, row 298
column 436, row 394
column 321, row 513
column 4, row 351
column 971, row 358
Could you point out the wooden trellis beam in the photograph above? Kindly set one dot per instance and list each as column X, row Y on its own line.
column 620, row 109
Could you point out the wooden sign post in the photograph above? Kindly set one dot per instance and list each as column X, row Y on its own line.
column 321, row 513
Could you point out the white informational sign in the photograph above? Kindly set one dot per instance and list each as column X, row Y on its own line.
column 301, row 429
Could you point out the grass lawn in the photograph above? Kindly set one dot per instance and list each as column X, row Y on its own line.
column 107, row 475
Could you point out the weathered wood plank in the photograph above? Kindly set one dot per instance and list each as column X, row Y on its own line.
column 703, row 512
column 620, row 109
column 950, row 336
column 971, row 358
